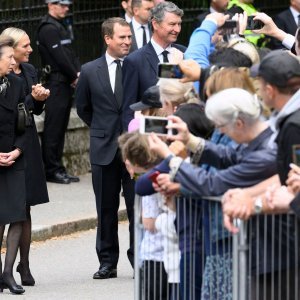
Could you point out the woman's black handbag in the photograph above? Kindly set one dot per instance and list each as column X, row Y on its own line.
column 23, row 118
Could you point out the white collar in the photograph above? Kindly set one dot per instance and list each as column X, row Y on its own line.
column 110, row 60
column 294, row 12
column 127, row 18
column 212, row 10
column 136, row 25
column 159, row 49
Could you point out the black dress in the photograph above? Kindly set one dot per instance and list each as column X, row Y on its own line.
column 36, row 186
column 12, row 179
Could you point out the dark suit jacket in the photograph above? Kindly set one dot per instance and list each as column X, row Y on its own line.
column 98, row 108
column 286, row 22
column 139, row 73
column 133, row 39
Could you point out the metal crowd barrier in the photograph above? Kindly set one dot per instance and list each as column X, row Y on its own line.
column 261, row 262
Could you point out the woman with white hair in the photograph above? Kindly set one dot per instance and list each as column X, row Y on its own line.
column 236, row 113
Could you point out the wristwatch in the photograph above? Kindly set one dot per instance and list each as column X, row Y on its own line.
column 174, row 165
column 258, row 206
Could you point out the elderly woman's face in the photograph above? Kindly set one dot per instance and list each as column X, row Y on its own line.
column 7, row 60
column 235, row 130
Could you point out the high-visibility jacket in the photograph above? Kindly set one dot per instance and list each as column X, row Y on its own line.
column 250, row 10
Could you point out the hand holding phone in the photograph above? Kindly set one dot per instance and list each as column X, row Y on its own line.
column 254, row 24
column 167, row 70
column 157, row 125
column 153, row 176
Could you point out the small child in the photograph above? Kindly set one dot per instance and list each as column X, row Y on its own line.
column 139, row 158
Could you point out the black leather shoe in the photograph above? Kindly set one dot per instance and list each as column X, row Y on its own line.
column 105, row 272
column 72, row 178
column 58, row 178
column 9, row 283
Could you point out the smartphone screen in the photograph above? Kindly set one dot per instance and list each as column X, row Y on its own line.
column 167, row 70
column 254, row 24
column 156, row 125
column 296, row 154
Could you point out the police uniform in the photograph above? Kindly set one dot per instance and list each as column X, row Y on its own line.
column 54, row 45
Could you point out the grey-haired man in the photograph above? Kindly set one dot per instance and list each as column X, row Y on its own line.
column 140, row 67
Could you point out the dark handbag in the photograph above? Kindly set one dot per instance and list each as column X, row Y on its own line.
column 23, row 118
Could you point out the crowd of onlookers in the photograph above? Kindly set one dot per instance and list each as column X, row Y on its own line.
column 244, row 148
column 232, row 130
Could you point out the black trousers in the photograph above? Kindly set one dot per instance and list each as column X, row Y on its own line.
column 107, row 182
column 57, row 113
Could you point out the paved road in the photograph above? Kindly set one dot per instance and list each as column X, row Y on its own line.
column 63, row 269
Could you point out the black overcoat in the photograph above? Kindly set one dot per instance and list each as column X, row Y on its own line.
column 36, row 186
column 12, row 179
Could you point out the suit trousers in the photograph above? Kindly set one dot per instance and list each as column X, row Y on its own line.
column 107, row 182
column 57, row 113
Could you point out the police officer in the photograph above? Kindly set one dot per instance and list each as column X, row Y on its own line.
column 62, row 68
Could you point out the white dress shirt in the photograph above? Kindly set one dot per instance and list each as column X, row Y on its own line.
column 295, row 14
column 112, row 66
column 159, row 50
column 138, row 32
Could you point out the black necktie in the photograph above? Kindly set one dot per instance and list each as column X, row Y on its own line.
column 144, row 35
column 118, row 83
column 298, row 21
column 165, row 56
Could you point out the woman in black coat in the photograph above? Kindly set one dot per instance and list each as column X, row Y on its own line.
column 12, row 172
column 34, row 171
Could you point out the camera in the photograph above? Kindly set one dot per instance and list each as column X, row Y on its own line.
column 155, row 124
column 254, row 24
column 167, row 70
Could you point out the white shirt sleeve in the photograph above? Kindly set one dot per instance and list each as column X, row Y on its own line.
column 288, row 41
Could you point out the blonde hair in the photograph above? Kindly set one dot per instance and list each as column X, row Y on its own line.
column 177, row 92
column 229, row 78
column 15, row 33
column 226, row 106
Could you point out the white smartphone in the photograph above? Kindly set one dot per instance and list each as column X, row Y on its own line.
column 155, row 124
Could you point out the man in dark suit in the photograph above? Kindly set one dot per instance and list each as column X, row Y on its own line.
column 99, row 99
column 139, row 25
column 215, row 6
column 288, row 20
column 140, row 67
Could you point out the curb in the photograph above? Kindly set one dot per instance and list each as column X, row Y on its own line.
column 47, row 232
